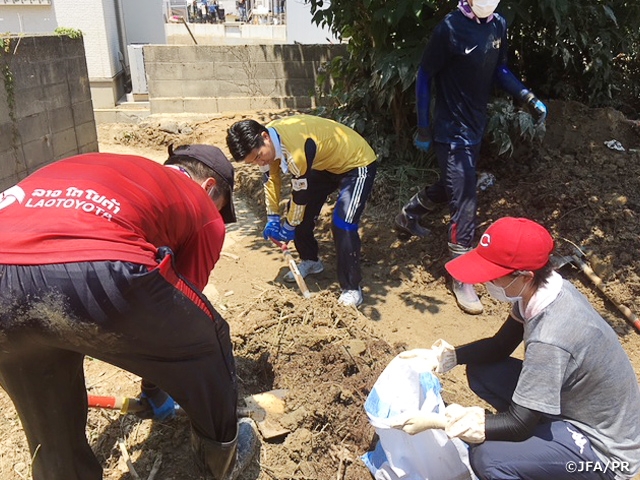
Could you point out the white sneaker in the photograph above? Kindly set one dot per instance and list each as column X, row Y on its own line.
column 351, row 298
column 306, row 267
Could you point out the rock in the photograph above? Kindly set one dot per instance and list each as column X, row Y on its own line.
column 169, row 127
column 356, row 347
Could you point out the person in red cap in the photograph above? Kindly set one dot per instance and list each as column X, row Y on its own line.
column 106, row 255
column 556, row 416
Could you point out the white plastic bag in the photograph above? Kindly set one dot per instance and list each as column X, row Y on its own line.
column 405, row 387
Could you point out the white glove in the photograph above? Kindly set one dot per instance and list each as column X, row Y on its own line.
column 446, row 356
column 425, row 354
column 419, row 422
column 465, row 423
column 441, row 356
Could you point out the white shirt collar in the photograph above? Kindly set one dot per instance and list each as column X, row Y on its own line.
column 275, row 139
column 545, row 294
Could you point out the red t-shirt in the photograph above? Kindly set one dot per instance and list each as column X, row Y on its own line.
column 101, row 206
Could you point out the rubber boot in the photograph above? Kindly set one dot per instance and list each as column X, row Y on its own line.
column 466, row 296
column 248, row 446
column 226, row 460
column 407, row 222
column 216, row 458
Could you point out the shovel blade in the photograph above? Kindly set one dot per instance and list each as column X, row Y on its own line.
column 266, row 409
column 559, row 261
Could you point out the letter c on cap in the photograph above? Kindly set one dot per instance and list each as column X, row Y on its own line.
column 485, row 240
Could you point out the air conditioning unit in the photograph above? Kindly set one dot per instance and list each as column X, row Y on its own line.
column 136, row 66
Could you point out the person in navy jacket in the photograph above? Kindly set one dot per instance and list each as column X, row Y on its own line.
column 465, row 56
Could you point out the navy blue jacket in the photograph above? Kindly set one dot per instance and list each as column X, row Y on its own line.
column 463, row 59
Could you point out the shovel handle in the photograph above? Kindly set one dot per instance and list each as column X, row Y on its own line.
column 124, row 404
column 631, row 317
column 132, row 405
column 293, row 267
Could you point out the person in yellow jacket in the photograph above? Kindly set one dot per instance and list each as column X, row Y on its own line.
column 321, row 156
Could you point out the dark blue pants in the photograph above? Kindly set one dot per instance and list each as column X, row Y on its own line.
column 354, row 187
column 557, row 450
column 149, row 322
column 457, row 185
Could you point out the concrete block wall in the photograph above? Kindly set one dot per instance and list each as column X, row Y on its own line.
column 229, row 33
column 205, row 79
column 46, row 111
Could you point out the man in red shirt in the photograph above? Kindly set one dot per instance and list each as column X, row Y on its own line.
column 107, row 255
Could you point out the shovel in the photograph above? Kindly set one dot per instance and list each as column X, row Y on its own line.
column 264, row 408
column 576, row 260
column 293, row 267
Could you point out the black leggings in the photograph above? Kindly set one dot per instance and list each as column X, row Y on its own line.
column 149, row 322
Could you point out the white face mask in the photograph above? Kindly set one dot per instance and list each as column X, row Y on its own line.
column 500, row 294
column 484, row 8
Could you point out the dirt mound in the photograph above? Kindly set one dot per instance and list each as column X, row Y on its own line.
column 328, row 358
column 586, row 193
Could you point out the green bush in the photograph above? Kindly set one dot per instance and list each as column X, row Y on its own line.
column 67, row 31
column 585, row 51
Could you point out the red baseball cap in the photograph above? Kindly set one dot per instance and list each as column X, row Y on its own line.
column 509, row 244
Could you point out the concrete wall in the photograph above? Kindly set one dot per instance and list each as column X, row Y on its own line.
column 229, row 33
column 46, row 111
column 213, row 79
column 21, row 18
column 98, row 20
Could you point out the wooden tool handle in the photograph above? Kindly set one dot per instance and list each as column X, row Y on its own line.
column 597, row 281
column 294, row 268
column 302, row 285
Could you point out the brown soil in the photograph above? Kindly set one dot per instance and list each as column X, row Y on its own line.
column 327, row 356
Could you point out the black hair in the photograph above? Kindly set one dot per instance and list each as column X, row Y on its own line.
column 243, row 137
column 200, row 172
column 541, row 275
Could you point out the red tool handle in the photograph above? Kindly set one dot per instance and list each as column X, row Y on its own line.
column 98, row 401
column 283, row 246
column 124, row 404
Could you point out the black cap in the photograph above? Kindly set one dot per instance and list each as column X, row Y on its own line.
column 213, row 158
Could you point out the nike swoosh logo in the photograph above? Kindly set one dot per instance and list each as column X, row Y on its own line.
column 467, row 51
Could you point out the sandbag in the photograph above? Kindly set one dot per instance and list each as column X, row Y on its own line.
column 405, row 387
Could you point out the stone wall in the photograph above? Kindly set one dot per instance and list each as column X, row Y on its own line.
column 46, row 111
column 203, row 79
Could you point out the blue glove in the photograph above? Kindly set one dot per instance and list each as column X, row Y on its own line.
column 422, row 140
column 541, row 110
column 287, row 232
column 272, row 228
column 162, row 405
column 535, row 103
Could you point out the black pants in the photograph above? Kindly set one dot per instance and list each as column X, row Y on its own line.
column 355, row 187
column 457, row 185
column 149, row 322
column 556, row 450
